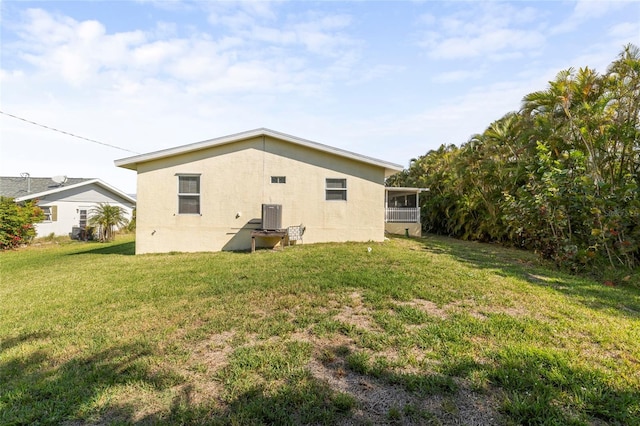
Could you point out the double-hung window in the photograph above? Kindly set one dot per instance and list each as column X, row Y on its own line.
column 336, row 189
column 188, row 194
column 83, row 215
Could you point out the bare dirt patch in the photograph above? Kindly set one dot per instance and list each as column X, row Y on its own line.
column 356, row 313
column 206, row 358
column 428, row 307
column 214, row 351
column 376, row 398
column 377, row 401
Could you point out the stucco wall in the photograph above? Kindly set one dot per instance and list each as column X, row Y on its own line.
column 398, row 228
column 236, row 180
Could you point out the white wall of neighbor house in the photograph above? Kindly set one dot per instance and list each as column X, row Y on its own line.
column 66, row 206
column 235, row 180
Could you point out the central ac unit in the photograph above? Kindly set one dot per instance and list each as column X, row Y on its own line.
column 271, row 217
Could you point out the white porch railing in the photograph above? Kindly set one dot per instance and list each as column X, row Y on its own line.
column 402, row 214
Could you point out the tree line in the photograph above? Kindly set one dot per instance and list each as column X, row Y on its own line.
column 560, row 176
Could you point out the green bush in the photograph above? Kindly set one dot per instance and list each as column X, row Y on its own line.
column 16, row 222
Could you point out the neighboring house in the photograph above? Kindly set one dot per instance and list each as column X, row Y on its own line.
column 208, row 196
column 66, row 202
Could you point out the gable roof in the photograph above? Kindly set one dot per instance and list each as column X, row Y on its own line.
column 27, row 188
column 15, row 187
column 132, row 162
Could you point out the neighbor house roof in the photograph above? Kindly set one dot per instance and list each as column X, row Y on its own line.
column 27, row 188
column 16, row 187
column 132, row 162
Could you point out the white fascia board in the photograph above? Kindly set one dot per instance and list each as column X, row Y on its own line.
column 115, row 191
column 405, row 189
column 132, row 162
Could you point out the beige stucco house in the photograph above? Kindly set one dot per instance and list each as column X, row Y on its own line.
column 209, row 196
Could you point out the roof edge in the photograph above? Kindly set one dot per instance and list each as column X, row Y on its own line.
column 77, row 185
column 131, row 162
column 405, row 189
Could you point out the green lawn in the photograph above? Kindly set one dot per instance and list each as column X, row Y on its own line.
column 417, row 331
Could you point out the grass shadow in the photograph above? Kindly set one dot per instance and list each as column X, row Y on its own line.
column 8, row 343
column 36, row 389
column 300, row 401
column 110, row 386
column 127, row 248
column 525, row 266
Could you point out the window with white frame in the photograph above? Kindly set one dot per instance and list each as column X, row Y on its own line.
column 188, row 194
column 336, row 189
column 278, row 179
column 83, row 216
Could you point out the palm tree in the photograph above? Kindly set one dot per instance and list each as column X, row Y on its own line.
column 107, row 219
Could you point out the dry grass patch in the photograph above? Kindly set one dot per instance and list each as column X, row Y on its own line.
column 428, row 307
column 379, row 399
column 355, row 313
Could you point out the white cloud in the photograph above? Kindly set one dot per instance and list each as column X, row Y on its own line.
column 236, row 21
column 9, row 76
column 487, row 43
column 238, row 15
column 589, row 9
column 77, row 51
column 273, row 35
column 264, row 57
column 170, row 5
column 626, row 30
column 586, row 10
column 320, row 34
column 157, row 52
column 43, row 28
column 490, row 30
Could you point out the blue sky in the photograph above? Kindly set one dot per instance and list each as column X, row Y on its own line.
column 391, row 80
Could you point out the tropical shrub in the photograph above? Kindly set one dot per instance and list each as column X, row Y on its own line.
column 560, row 176
column 17, row 222
column 107, row 219
column 131, row 226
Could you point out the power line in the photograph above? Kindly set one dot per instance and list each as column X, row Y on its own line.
column 67, row 133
